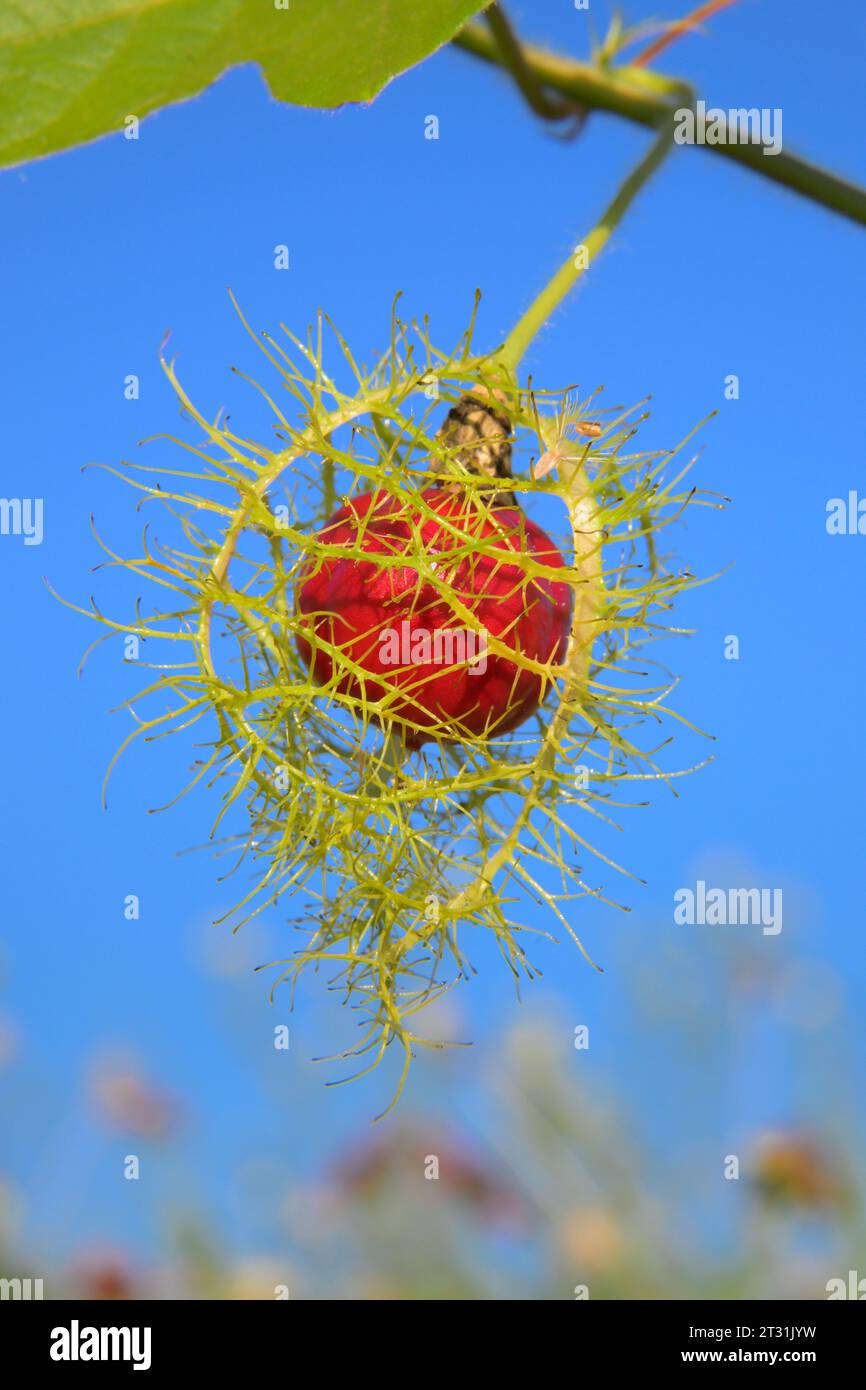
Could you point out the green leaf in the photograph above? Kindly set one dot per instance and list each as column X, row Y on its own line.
column 72, row 70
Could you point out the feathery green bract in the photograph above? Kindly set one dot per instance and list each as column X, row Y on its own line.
column 381, row 861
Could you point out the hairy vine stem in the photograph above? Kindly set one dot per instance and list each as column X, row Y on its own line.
column 632, row 92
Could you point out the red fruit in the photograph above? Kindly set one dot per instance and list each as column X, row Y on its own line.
column 365, row 609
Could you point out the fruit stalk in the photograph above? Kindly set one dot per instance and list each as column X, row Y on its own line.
column 544, row 305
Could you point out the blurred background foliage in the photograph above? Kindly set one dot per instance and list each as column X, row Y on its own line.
column 546, row 1182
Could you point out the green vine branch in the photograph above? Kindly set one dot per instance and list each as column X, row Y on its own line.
column 635, row 94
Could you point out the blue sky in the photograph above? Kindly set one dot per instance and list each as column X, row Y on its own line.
column 713, row 272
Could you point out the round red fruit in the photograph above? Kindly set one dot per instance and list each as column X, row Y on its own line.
column 402, row 644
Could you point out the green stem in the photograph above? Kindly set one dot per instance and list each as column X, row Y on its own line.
column 639, row 95
column 570, row 271
column 511, row 56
